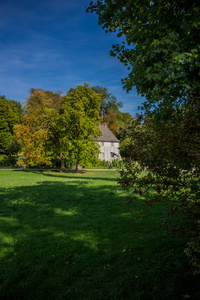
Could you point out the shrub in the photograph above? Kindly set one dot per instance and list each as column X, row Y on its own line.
column 8, row 161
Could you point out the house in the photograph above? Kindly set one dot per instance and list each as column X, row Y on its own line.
column 109, row 144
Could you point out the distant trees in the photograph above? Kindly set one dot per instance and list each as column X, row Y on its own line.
column 52, row 126
column 39, row 132
column 125, row 135
column 55, row 126
column 9, row 116
column 109, row 110
column 108, row 102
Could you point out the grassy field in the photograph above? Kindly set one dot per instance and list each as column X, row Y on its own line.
column 67, row 236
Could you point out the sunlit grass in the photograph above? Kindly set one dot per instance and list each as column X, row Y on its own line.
column 68, row 236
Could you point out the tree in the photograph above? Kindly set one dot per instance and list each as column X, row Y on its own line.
column 18, row 108
column 109, row 110
column 108, row 102
column 80, row 112
column 8, row 118
column 60, row 127
column 161, row 50
column 170, row 159
column 39, row 132
column 159, row 46
column 116, row 120
column 125, row 134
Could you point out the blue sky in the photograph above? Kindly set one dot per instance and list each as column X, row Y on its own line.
column 55, row 45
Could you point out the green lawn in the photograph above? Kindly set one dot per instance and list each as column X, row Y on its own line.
column 67, row 236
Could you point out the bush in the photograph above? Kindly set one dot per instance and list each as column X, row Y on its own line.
column 102, row 164
column 8, row 161
column 117, row 164
column 105, row 164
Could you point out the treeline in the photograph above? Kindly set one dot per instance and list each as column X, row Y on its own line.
column 51, row 127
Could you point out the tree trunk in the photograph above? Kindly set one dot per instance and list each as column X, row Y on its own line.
column 62, row 167
column 77, row 164
column 78, row 168
column 101, row 116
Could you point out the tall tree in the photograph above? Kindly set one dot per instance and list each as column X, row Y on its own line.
column 18, row 107
column 125, row 134
column 39, row 132
column 161, row 50
column 116, row 120
column 80, row 110
column 8, row 118
column 109, row 110
column 160, row 46
column 108, row 102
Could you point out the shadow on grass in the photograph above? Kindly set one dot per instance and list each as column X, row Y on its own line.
column 74, row 175
column 65, row 241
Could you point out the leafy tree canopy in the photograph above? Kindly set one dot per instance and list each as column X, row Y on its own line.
column 160, row 46
column 18, row 107
column 8, row 118
column 125, row 135
column 116, row 120
column 108, row 102
column 109, row 110
column 54, row 126
column 39, row 132
column 80, row 110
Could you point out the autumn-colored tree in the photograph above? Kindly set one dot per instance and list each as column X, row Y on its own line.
column 60, row 127
column 109, row 110
column 39, row 132
column 116, row 121
column 108, row 102
column 111, row 121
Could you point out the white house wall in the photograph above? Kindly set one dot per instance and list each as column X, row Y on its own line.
column 106, row 148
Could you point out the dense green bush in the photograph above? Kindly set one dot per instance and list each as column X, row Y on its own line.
column 102, row 164
column 8, row 161
column 105, row 164
column 117, row 163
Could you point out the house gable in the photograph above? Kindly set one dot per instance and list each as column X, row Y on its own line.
column 109, row 144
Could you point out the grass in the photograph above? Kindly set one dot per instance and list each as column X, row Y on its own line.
column 67, row 236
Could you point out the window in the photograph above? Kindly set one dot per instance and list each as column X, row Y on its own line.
column 102, row 154
column 101, row 143
column 112, row 144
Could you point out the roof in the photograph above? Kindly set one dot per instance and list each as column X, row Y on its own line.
column 107, row 135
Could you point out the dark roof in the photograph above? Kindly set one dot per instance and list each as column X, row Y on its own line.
column 107, row 135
